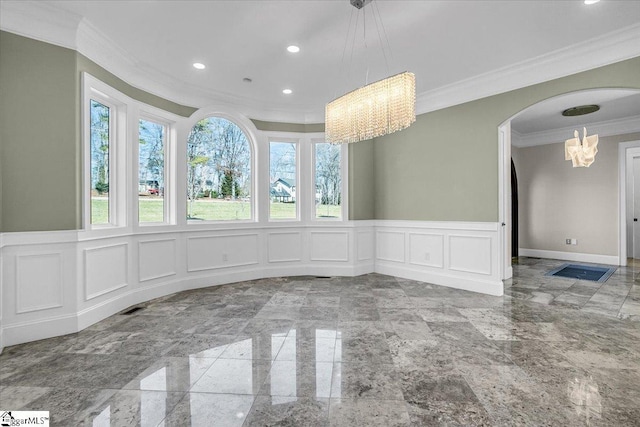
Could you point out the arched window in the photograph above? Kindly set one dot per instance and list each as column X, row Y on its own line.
column 218, row 171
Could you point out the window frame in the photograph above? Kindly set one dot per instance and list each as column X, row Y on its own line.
column 168, row 171
column 300, row 197
column 245, row 125
column 95, row 90
column 124, row 157
column 344, row 171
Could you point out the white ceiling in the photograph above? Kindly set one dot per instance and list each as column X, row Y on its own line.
column 615, row 104
column 447, row 44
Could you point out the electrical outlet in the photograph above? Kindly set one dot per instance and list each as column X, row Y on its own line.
column 427, row 256
column 225, row 258
column 574, row 241
column 568, row 241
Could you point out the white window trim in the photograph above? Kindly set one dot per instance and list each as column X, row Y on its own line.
column 152, row 115
column 97, row 91
column 123, row 158
column 344, row 179
column 300, row 196
column 249, row 130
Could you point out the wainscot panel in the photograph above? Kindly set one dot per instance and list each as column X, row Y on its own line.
column 156, row 259
column 284, row 246
column 57, row 283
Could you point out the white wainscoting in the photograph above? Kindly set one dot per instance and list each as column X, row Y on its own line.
column 39, row 282
column 221, row 251
column 156, row 259
column 426, row 249
column 462, row 255
column 105, row 269
column 284, row 246
column 330, row 246
column 55, row 283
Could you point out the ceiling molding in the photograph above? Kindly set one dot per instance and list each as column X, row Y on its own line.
column 593, row 53
column 554, row 136
column 98, row 47
column 40, row 21
column 43, row 21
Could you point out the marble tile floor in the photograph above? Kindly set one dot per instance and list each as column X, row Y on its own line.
column 371, row 350
column 618, row 297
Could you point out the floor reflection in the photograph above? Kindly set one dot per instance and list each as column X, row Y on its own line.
column 583, row 393
column 370, row 350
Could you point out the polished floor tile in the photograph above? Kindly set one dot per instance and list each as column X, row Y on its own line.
column 371, row 350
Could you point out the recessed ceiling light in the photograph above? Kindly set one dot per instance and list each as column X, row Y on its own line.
column 293, row 49
column 199, row 66
column 287, row 91
column 591, row 1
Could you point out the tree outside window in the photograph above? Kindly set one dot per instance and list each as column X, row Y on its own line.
column 328, row 180
column 151, row 185
column 218, row 171
column 99, row 116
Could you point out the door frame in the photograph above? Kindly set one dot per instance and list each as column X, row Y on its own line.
column 626, row 152
column 504, row 198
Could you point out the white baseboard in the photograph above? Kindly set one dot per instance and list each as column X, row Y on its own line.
column 488, row 286
column 39, row 329
column 570, row 256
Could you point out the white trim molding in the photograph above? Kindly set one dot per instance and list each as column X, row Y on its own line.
column 421, row 250
column 570, row 256
column 606, row 128
column 610, row 48
column 463, row 255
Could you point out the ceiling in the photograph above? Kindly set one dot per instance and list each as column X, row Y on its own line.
column 152, row 44
column 615, row 104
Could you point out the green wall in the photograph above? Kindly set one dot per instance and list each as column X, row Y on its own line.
column 39, row 95
column 361, row 181
column 86, row 65
column 445, row 166
column 288, row 127
column 40, row 135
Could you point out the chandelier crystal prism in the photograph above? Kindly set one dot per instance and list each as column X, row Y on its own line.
column 374, row 110
column 377, row 109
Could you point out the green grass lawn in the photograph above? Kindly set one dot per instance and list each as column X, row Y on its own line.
column 151, row 210
column 216, row 210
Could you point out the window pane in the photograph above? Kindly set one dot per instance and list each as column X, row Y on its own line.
column 218, row 171
column 151, row 172
column 99, row 147
column 282, row 157
column 328, row 181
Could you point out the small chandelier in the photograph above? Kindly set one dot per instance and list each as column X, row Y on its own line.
column 582, row 154
column 377, row 109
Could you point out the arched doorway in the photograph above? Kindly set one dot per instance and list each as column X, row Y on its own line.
column 617, row 122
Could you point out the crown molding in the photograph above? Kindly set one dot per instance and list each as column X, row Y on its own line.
column 98, row 47
column 40, row 21
column 45, row 22
column 553, row 136
column 610, row 48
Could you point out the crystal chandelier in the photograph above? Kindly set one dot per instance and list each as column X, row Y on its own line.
column 581, row 154
column 377, row 109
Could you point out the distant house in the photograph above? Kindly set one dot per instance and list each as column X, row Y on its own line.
column 283, row 191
